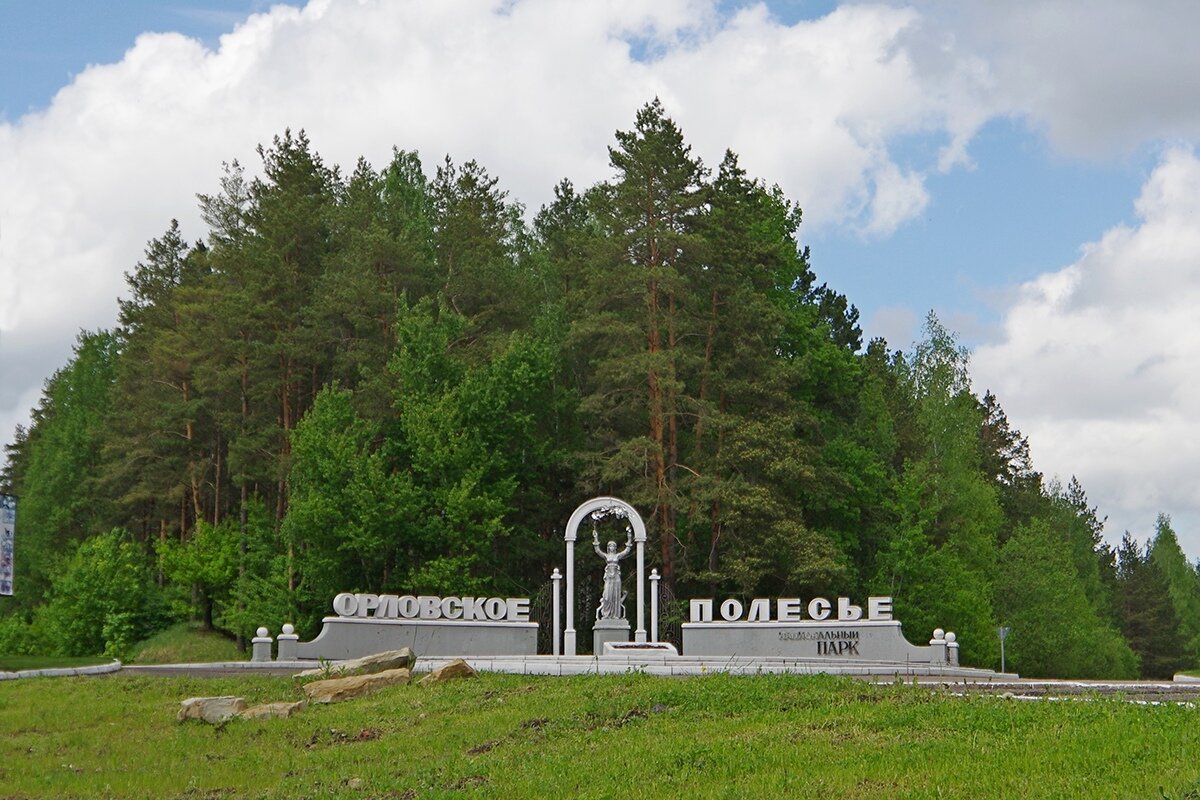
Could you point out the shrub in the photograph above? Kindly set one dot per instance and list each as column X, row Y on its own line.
column 104, row 600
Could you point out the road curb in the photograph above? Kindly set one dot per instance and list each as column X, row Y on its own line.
column 62, row 672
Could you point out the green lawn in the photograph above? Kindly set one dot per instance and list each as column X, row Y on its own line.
column 520, row 737
column 185, row 643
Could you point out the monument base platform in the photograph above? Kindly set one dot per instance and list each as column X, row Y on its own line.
column 700, row 665
column 354, row 637
column 855, row 641
column 609, row 630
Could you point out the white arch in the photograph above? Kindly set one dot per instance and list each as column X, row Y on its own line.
column 623, row 509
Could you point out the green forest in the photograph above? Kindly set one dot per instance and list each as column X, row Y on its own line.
column 398, row 380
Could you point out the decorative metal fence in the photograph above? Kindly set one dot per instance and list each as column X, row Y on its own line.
column 671, row 611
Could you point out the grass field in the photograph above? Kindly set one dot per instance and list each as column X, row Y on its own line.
column 185, row 643
column 519, row 737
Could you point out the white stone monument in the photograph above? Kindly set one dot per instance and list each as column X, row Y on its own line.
column 611, row 624
column 432, row 626
column 821, row 629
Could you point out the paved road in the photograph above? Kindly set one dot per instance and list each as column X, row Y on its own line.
column 1035, row 689
column 203, row 671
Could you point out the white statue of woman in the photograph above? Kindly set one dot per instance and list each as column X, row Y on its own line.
column 612, row 599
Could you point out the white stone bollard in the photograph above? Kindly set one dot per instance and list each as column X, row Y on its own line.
column 952, row 649
column 938, row 643
column 639, row 635
column 289, row 643
column 260, row 646
column 568, row 642
column 654, row 579
column 556, row 581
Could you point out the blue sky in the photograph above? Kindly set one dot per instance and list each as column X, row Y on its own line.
column 1021, row 169
column 1019, row 211
column 44, row 44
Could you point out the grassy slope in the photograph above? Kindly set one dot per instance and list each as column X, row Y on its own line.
column 512, row 736
column 185, row 643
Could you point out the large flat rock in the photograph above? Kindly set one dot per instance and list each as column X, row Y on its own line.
column 335, row 690
column 455, row 670
column 404, row 658
column 211, row 709
column 273, row 710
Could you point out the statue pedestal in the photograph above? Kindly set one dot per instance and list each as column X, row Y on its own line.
column 608, row 630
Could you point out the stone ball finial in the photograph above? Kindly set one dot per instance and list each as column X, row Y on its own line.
column 288, row 629
column 950, row 637
column 938, row 633
column 262, row 633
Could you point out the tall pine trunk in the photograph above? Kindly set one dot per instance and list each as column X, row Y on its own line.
column 715, row 511
column 285, row 448
column 672, row 476
column 710, row 338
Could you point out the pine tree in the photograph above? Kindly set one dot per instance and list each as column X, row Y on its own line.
column 1055, row 630
column 1149, row 620
column 1182, row 583
column 158, row 449
column 752, row 464
column 62, row 455
column 383, row 228
column 480, row 241
column 388, row 381
column 1008, row 464
column 941, row 564
column 633, row 386
column 1095, row 560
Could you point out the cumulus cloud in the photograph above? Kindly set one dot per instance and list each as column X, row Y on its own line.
column 898, row 197
column 533, row 89
column 1098, row 362
column 1093, row 359
column 893, row 323
column 1098, row 79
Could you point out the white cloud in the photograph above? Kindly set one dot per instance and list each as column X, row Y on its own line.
column 895, row 324
column 533, row 89
column 1099, row 78
column 899, row 196
column 1093, row 363
column 1098, row 363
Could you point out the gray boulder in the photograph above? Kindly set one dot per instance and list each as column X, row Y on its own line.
column 455, row 670
column 335, row 690
column 404, row 658
column 273, row 710
column 211, row 709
